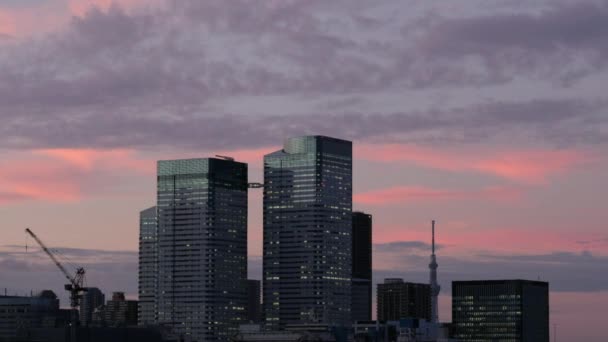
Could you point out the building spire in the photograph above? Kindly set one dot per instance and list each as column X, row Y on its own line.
column 435, row 288
column 433, row 223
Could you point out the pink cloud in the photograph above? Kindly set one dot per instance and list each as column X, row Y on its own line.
column 45, row 17
column 7, row 23
column 24, row 21
column 404, row 194
column 525, row 166
column 531, row 166
column 36, row 180
column 87, row 159
column 408, row 153
column 59, row 175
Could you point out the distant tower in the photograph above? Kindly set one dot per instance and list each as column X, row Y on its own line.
column 435, row 288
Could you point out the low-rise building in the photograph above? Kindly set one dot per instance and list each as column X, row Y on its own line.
column 120, row 312
column 398, row 299
column 117, row 313
column 91, row 300
column 403, row 330
column 500, row 310
column 292, row 333
column 19, row 315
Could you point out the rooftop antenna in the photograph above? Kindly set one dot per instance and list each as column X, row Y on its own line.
column 433, row 223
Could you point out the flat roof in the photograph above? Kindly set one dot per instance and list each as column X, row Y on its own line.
column 500, row 281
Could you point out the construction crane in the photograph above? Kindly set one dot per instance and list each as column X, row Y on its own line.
column 75, row 286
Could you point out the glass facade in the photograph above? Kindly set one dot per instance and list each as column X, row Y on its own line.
column 307, row 232
column 148, row 251
column 202, row 247
column 500, row 310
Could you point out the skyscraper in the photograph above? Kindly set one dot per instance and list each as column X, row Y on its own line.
column 91, row 300
column 254, row 303
column 362, row 267
column 202, row 247
column 307, row 232
column 398, row 299
column 500, row 310
column 148, row 266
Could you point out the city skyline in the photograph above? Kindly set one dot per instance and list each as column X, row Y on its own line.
column 147, row 214
column 489, row 119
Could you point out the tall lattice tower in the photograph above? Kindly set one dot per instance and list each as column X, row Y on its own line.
column 435, row 288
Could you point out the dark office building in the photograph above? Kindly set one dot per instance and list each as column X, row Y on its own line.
column 120, row 312
column 500, row 310
column 361, row 303
column 148, row 266
column 307, row 232
column 20, row 315
column 202, row 247
column 254, row 304
column 92, row 299
column 397, row 300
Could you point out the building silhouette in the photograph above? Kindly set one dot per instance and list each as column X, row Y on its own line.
column 202, row 247
column 307, row 232
column 361, row 304
column 254, row 304
column 92, row 299
column 120, row 312
column 435, row 287
column 500, row 310
column 148, row 266
column 19, row 316
column 397, row 299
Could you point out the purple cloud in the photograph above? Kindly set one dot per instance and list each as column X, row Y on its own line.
column 165, row 76
column 550, row 44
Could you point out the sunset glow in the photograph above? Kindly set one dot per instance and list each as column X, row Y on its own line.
column 490, row 119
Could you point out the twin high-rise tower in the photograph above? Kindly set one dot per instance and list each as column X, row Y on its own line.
column 307, row 232
column 193, row 262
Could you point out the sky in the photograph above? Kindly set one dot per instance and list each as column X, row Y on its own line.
column 489, row 117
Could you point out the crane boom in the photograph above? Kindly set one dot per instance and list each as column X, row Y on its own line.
column 75, row 287
column 51, row 255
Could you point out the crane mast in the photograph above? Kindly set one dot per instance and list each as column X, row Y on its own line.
column 75, row 286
